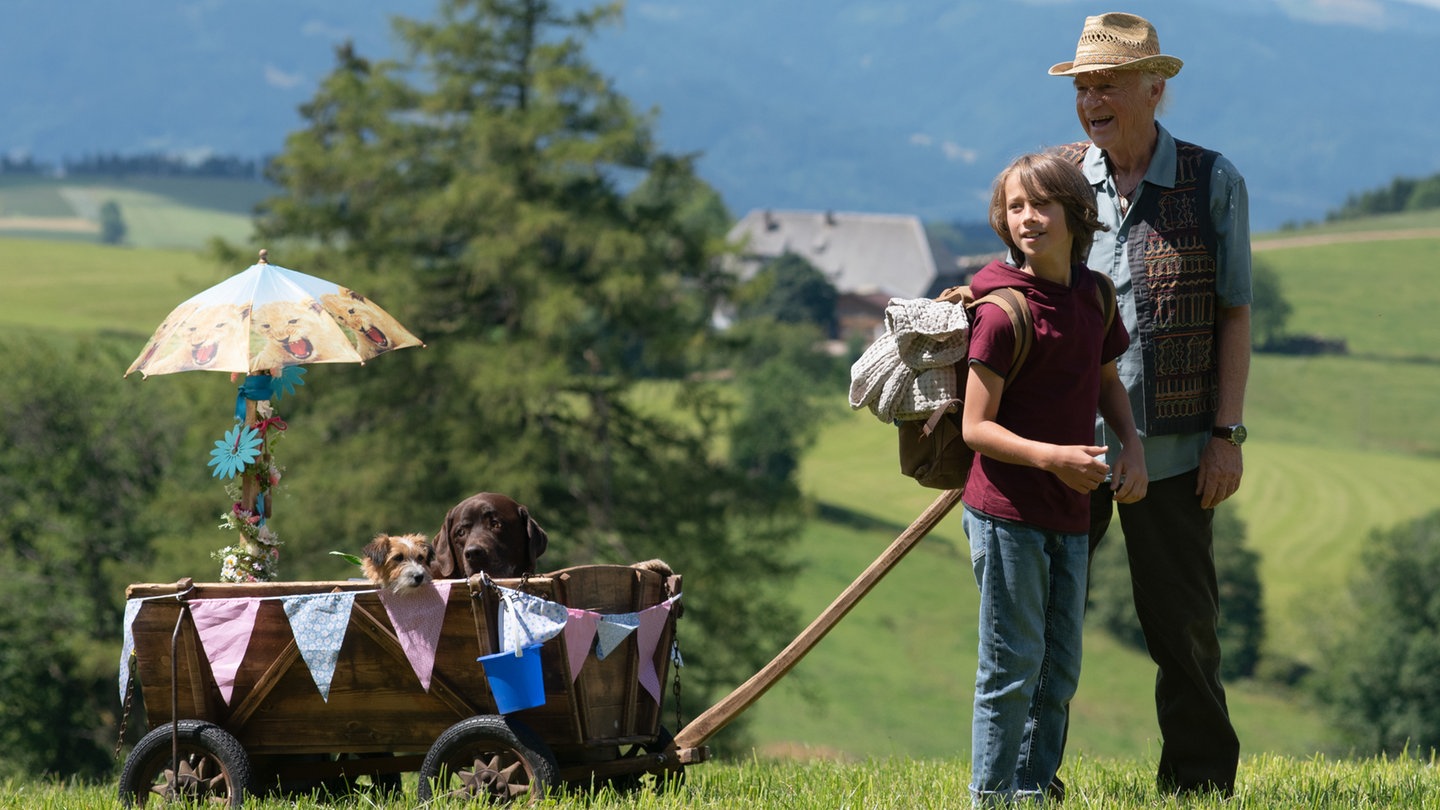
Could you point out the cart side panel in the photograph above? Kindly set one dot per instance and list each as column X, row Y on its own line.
column 615, row 707
column 376, row 700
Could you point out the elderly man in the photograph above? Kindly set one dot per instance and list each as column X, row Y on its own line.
column 1178, row 249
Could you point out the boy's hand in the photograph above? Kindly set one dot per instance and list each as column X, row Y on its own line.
column 1079, row 467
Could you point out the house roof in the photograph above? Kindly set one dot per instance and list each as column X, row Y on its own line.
column 888, row 254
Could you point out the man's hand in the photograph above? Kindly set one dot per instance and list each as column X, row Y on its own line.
column 1221, row 467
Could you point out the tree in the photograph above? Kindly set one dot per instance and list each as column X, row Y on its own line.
column 82, row 457
column 112, row 225
column 790, row 289
column 1269, row 311
column 1382, row 652
column 494, row 192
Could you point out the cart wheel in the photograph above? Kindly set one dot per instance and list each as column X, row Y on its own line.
column 488, row 755
column 659, row 780
column 212, row 767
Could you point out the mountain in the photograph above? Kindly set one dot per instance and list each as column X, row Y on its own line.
column 906, row 106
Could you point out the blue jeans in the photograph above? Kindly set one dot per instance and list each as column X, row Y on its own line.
column 1032, row 608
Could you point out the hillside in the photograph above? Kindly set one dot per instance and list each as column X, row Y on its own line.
column 158, row 212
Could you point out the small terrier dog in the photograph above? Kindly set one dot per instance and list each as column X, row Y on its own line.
column 398, row 563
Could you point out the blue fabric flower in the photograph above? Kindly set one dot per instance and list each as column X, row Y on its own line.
column 239, row 449
column 291, row 377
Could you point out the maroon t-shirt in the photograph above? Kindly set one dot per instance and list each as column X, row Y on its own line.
column 1052, row 399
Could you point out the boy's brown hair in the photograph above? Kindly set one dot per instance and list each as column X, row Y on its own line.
column 1050, row 178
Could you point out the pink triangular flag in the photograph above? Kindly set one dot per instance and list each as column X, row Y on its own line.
column 224, row 626
column 647, row 638
column 418, row 617
column 579, row 634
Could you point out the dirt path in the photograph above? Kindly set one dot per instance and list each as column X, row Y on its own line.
column 1341, row 238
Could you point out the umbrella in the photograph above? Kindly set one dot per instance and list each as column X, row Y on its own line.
column 260, row 323
column 265, row 318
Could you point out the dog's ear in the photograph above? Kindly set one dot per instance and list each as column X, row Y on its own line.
column 444, row 565
column 536, row 539
column 377, row 550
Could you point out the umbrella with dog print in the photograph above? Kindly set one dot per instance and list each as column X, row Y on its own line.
column 267, row 317
column 262, row 323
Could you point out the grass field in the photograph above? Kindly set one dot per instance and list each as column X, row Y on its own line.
column 1265, row 783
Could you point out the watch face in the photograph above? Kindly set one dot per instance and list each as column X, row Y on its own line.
column 1238, row 434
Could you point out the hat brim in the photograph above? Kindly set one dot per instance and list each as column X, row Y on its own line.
column 1166, row 66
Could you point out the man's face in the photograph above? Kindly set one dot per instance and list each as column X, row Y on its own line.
column 1117, row 108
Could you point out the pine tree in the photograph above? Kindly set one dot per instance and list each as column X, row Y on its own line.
column 494, row 192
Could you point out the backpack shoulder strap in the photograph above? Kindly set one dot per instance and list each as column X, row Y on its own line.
column 1022, row 322
column 1105, row 290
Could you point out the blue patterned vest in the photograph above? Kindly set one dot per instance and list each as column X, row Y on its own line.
column 1172, row 246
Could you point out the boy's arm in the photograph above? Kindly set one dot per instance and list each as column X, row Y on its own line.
column 1129, row 479
column 1080, row 468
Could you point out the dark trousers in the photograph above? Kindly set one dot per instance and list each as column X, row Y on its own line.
column 1172, row 572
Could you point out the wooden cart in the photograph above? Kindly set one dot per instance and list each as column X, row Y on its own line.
column 602, row 728
column 277, row 731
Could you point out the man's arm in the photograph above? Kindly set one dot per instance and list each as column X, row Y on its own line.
column 1221, row 466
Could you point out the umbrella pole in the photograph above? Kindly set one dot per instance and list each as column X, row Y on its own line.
column 250, row 487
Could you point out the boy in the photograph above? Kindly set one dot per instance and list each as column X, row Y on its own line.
column 1027, row 499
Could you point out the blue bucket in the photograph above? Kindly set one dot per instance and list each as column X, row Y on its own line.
column 515, row 680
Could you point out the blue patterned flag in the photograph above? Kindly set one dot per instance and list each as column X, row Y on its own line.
column 612, row 630
column 132, row 609
column 526, row 620
column 318, row 622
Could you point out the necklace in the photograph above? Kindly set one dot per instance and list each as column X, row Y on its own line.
column 1123, row 197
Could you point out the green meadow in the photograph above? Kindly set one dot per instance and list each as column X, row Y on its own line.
column 1341, row 446
column 158, row 212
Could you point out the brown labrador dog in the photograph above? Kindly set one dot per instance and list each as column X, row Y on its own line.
column 488, row 532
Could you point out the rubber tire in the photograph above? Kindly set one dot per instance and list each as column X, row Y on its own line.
column 483, row 756
column 203, row 746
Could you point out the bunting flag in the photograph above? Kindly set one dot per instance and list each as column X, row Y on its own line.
column 612, row 630
column 318, row 622
column 527, row 620
column 652, row 622
column 579, row 635
column 224, row 626
column 417, row 617
column 584, row 626
column 127, row 648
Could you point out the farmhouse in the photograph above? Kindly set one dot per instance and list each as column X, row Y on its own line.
column 870, row 258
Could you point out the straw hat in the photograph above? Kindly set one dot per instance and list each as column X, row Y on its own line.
column 1116, row 41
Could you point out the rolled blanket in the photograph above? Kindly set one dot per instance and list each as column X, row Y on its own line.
column 928, row 333
column 910, row 369
column 869, row 373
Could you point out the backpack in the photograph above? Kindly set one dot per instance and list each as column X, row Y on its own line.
column 933, row 451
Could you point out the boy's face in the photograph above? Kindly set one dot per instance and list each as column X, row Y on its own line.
column 1037, row 227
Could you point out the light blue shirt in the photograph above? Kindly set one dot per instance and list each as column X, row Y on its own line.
column 1166, row 456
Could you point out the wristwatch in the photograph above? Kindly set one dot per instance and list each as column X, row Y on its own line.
column 1235, row 434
